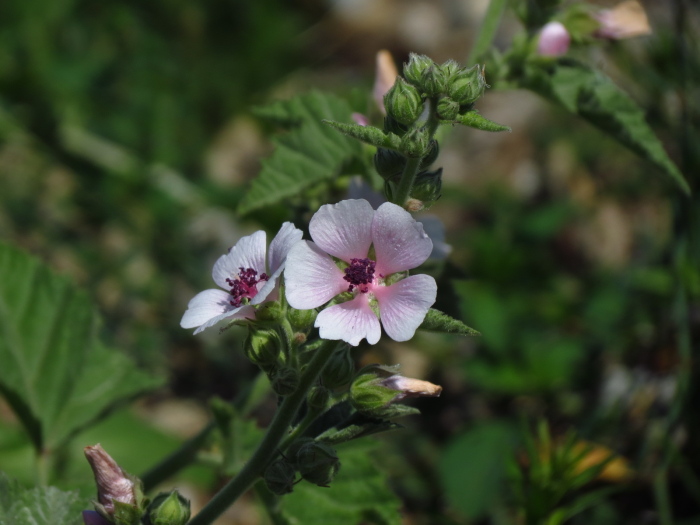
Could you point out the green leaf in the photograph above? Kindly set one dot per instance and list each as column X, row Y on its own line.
column 368, row 134
column 593, row 96
column 474, row 120
column 55, row 375
column 306, row 155
column 358, row 494
column 473, row 467
column 436, row 321
column 37, row 506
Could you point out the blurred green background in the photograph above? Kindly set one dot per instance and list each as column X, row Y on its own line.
column 127, row 140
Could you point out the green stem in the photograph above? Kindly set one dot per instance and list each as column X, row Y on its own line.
column 178, row 460
column 269, row 446
column 270, row 501
column 309, row 418
column 408, row 177
column 487, row 33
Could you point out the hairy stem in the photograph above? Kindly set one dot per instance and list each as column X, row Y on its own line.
column 269, row 446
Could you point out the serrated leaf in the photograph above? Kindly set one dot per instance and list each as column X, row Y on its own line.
column 368, row 134
column 595, row 97
column 474, row 465
column 37, row 506
column 358, row 494
column 304, row 156
column 437, row 321
column 55, row 375
column 474, row 119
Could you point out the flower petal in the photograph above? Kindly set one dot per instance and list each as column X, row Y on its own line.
column 343, row 230
column 242, row 312
column 311, row 277
column 403, row 305
column 351, row 322
column 265, row 290
column 287, row 237
column 204, row 306
column 399, row 241
column 248, row 252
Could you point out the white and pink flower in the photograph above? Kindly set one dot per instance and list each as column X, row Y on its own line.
column 245, row 279
column 367, row 253
column 554, row 40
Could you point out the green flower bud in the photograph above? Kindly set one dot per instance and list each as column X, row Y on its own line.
column 317, row 463
column 376, row 387
column 450, row 68
column 271, row 311
column 285, row 380
column 427, row 187
column 467, row 85
column 415, row 143
column 339, row 370
column 447, row 109
column 417, row 64
column 389, row 163
column 264, row 348
column 318, row 398
column 431, row 156
column 403, row 102
column 280, row 477
column 169, row 508
column 433, row 81
column 391, row 125
column 301, row 319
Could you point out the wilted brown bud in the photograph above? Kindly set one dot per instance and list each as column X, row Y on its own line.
column 113, row 484
column 409, row 387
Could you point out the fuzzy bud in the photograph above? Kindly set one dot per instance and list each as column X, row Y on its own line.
column 403, row 102
column 339, row 370
column 263, row 347
column 301, row 319
column 431, row 156
column 389, row 163
column 318, row 463
column 119, row 495
column 447, row 109
column 428, row 187
column 467, row 85
column 415, row 143
column 271, row 311
column 318, row 398
column 417, row 64
column 285, row 380
column 169, row 508
column 433, row 81
column 554, row 40
column 280, row 477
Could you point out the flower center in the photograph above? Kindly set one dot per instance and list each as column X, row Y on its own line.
column 359, row 274
column 244, row 285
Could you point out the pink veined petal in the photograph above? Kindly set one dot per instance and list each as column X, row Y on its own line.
column 343, row 230
column 287, row 237
column 350, row 322
column 311, row 278
column 267, row 287
column 403, row 305
column 248, row 252
column 242, row 312
column 204, row 306
column 399, row 241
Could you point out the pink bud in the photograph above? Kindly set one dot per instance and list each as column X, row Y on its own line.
column 385, row 77
column 113, row 484
column 554, row 40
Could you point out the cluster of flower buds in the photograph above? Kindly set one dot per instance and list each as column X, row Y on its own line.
column 120, row 499
column 315, row 461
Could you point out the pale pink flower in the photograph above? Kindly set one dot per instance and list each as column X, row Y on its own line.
column 554, row 40
column 248, row 281
column 375, row 249
column 626, row 20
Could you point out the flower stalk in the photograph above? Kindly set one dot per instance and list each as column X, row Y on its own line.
column 269, row 445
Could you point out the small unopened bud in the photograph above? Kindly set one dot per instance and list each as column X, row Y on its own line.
column 117, row 492
column 413, row 70
column 450, row 68
column 554, row 40
column 428, row 187
column 301, row 319
column 467, row 85
column 389, row 163
column 384, row 78
column 318, row 398
column 285, row 380
column 318, row 463
column 264, row 347
column 280, row 477
column 391, row 125
column 431, row 156
column 433, row 82
column 271, row 311
column 403, row 102
column 415, row 143
column 339, row 370
column 447, row 109
column 169, row 508
column 376, row 387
